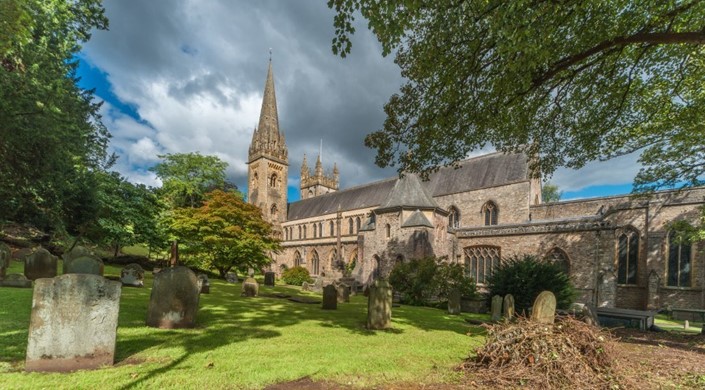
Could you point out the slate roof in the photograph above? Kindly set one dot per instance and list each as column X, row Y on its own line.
column 417, row 219
column 409, row 191
column 485, row 171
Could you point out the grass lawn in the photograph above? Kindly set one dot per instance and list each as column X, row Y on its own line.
column 669, row 324
column 252, row 342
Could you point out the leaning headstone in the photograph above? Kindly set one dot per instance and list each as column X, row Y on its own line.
column 15, row 280
column 250, row 288
column 343, row 292
column 40, row 264
column 269, row 278
column 5, row 258
column 496, row 308
column 204, row 283
column 454, row 302
column 73, row 323
column 73, row 254
column 174, row 299
column 379, row 305
column 231, row 277
column 330, row 298
column 508, row 307
column 544, row 309
column 132, row 275
column 85, row 265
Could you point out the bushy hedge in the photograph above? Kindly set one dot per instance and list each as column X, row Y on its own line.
column 525, row 277
column 296, row 276
column 427, row 280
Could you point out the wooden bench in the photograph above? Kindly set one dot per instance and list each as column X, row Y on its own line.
column 688, row 314
column 613, row 317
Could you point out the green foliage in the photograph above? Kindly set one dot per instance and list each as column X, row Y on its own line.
column 569, row 82
column 187, row 177
column 550, row 193
column 296, row 276
column 525, row 277
column 225, row 233
column 52, row 139
column 422, row 281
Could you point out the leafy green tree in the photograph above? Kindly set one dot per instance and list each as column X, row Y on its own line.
column 186, row 177
column 225, row 233
column 550, row 193
column 422, row 281
column 568, row 81
column 51, row 136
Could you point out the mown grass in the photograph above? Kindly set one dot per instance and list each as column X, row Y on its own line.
column 252, row 342
column 663, row 321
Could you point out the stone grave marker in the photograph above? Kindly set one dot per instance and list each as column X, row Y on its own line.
column 305, row 286
column 40, row 264
column 5, row 258
column 132, row 275
column 269, row 278
column 85, row 265
column 508, row 310
column 73, row 254
column 496, row 308
column 379, row 305
column 22, row 254
column 73, row 323
column 231, row 277
column 205, row 283
column 174, row 299
column 15, row 280
column 343, row 292
column 317, row 284
column 250, row 288
column 544, row 309
column 330, row 298
column 454, row 302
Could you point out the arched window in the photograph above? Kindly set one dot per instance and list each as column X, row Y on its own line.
column 273, row 211
column 480, row 261
column 490, row 211
column 357, row 224
column 399, row 259
column 297, row 259
column 286, row 234
column 559, row 257
column 331, row 227
column 387, row 231
column 254, row 179
column 310, row 193
column 273, row 180
column 315, row 230
column 315, row 263
column 453, row 217
column 377, row 263
column 350, row 226
column 679, row 265
column 305, row 231
column 627, row 257
column 333, row 257
column 320, row 229
column 300, row 232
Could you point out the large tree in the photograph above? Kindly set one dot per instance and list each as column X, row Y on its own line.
column 570, row 81
column 186, row 177
column 51, row 135
column 225, row 233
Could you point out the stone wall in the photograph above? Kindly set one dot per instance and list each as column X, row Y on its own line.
column 512, row 201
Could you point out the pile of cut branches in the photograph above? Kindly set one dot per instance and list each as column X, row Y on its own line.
column 566, row 354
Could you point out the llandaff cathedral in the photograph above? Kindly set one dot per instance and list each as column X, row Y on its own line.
column 619, row 251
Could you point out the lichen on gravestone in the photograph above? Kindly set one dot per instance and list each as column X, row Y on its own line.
column 544, row 309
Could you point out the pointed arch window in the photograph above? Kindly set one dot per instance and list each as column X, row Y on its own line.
column 286, row 234
column 297, row 259
column 350, row 226
column 490, row 212
column 480, row 262
column 315, row 230
column 453, row 217
column 627, row 257
column 305, row 231
column 320, row 229
column 300, row 236
column 357, row 224
column 331, row 227
column 559, row 257
column 310, row 193
column 679, row 260
column 273, row 180
column 274, row 211
column 387, row 231
column 315, row 263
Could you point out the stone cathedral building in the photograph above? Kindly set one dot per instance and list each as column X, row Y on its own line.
column 619, row 251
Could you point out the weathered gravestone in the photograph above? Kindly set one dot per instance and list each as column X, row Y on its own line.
column 5, row 258
column 269, row 278
column 496, row 308
column 132, row 275
column 305, row 286
column 204, row 283
column 508, row 310
column 85, row 265
column 40, row 264
column 174, row 299
column 330, row 298
column 73, row 254
column 454, row 302
column 250, row 288
column 317, row 285
column 73, row 323
column 544, row 309
column 379, row 305
column 231, row 277
column 15, row 280
column 343, row 292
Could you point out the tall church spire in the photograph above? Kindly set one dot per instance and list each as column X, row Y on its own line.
column 267, row 140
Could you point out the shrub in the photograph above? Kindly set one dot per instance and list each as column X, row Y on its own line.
column 525, row 277
column 422, row 281
column 296, row 276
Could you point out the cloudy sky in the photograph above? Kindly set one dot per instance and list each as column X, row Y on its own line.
column 188, row 75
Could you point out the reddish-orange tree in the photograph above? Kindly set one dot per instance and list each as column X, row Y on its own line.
column 225, row 233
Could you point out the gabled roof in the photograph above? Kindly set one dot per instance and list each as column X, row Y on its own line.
column 409, row 192
column 417, row 219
